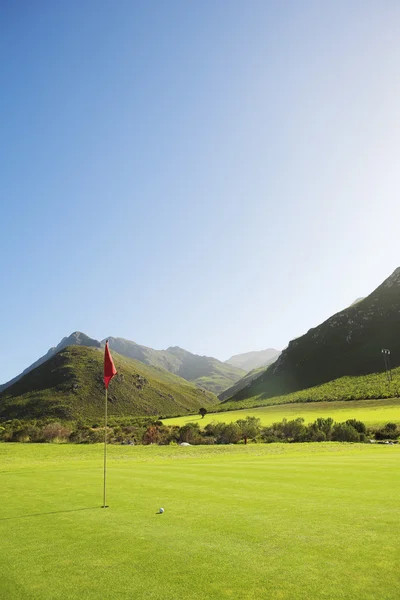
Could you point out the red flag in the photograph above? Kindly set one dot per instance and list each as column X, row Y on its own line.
column 109, row 367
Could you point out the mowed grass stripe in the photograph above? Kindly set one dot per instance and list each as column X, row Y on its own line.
column 276, row 521
column 371, row 412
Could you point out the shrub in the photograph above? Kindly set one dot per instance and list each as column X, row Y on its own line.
column 55, row 432
column 316, row 435
column 249, row 427
column 190, row 434
column 388, row 432
column 230, row 434
column 345, row 433
column 358, row 425
column 325, row 425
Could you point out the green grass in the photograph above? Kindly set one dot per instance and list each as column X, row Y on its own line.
column 269, row 522
column 371, row 412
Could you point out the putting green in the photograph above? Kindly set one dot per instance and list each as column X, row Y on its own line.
column 371, row 412
column 276, row 521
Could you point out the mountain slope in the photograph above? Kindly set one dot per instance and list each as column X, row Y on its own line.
column 253, row 360
column 75, row 339
column 69, row 385
column 349, row 343
column 241, row 384
column 148, row 356
column 204, row 371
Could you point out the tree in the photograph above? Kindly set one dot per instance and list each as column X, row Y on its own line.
column 250, row 427
column 203, row 412
column 325, row 425
column 388, row 432
column 230, row 434
column 358, row 425
column 190, row 433
column 294, row 430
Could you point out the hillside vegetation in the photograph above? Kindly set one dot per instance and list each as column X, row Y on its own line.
column 70, row 386
column 75, row 339
column 363, row 387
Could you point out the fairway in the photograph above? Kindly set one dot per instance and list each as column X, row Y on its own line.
column 275, row 521
column 371, row 412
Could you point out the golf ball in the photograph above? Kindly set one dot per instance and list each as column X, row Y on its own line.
column 161, row 510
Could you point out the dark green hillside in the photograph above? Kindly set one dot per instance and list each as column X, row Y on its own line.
column 349, row 343
column 75, row 339
column 203, row 371
column 70, row 386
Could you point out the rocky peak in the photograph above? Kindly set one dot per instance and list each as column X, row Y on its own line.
column 394, row 279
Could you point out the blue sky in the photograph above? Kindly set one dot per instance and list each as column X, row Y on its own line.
column 219, row 175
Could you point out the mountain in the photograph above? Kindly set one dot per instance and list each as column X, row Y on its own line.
column 75, row 339
column 252, row 360
column 204, row 371
column 348, row 343
column 241, row 384
column 148, row 356
column 69, row 385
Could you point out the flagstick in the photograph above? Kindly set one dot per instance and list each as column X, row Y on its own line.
column 105, row 452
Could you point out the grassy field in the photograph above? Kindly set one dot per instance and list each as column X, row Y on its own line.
column 371, row 412
column 272, row 521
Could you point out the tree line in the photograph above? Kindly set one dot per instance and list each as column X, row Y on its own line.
column 147, row 430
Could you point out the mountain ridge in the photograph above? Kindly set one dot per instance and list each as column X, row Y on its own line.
column 77, row 338
column 207, row 372
column 204, row 371
column 70, row 386
column 248, row 361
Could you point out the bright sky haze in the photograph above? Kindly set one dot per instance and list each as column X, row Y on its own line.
column 220, row 175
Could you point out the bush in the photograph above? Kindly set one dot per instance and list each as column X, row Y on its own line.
column 324, row 425
column 388, row 432
column 358, row 425
column 249, row 427
column 230, row 434
column 55, row 432
column 316, row 435
column 345, row 433
column 190, row 434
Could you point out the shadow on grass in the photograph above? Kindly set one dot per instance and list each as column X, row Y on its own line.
column 54, row 512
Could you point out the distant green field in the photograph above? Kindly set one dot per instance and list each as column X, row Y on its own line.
column 371, row 412
column 263, row 521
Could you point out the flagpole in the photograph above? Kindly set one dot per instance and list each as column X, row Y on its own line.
column 109, row 372
column 105, row 452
